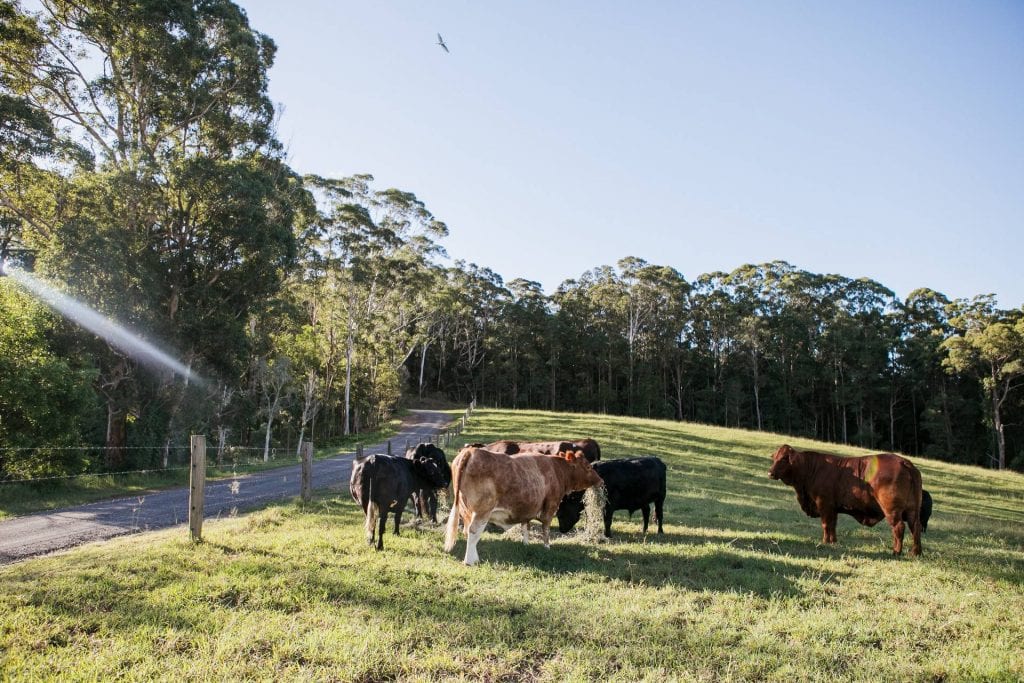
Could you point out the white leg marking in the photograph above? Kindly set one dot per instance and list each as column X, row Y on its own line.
column 476, row 528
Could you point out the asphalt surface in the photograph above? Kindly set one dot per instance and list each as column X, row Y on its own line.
column 47, row 532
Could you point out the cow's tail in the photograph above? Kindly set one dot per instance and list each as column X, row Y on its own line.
column 451, row 533
column 372, row 510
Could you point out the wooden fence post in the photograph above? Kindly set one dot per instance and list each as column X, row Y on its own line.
column 306, row 490
column 389, row 446
column 197, row 487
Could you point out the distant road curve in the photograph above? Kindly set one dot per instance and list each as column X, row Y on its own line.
column 46, row 532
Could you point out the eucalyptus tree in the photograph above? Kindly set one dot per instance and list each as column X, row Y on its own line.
column 652, row 304
column 944, row 406
column 476, row 297
column 185, row 222
column 524, row 345
column 761, row 304
column 990, row 343
column 715, row 334
column 801, row 329
column 858, row 348
column 590, row 324
column 377, row 251
column 275, row 381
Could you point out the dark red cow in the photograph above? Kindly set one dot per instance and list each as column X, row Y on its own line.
column 590, row 448
column 869, row 488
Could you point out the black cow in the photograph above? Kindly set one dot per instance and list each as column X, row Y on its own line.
column 381, row 483
column 425, row 500
column 926, row 509
column 632, row 484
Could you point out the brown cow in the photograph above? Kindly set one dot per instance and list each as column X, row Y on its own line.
column 869, row 488
column 509, row 490
column 591, row 450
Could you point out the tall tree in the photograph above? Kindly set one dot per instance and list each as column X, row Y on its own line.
column 186, row 222
column 375, row 249
column 989, row 342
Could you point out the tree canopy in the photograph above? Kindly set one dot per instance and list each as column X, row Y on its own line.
column 140, row 171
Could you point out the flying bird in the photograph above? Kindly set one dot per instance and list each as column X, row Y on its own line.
column 440, row 41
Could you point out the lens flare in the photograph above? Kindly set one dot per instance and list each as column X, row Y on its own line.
column 100, row 325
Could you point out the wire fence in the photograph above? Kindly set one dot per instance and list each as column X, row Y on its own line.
column 153, row 460
column 150, row 460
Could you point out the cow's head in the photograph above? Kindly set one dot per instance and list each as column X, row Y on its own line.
column 582, row 474
column 569, row 511
column 590, row 449
column 431, row 464
column 783, row 464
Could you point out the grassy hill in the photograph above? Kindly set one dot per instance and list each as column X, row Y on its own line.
column 736, row 589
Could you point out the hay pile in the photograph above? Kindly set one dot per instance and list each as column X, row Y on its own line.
column 590, row 528
column 594, row 500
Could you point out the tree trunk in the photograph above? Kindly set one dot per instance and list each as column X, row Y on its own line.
column 222, row 437
column 348, row 382
column 266, row 438
column 117, row 435
column 757, row 391
column 892, row 421
column 423, row 364
column 997, row 422
column 946, row 422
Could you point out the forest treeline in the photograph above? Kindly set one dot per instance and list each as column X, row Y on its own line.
column 140, row 172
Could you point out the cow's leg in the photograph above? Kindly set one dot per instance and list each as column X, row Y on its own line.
column 659, row 503
column 897, row 533
column 431, row 500
column 381, row 525
column 545, row 528
column 474, row 527
column 646, row 510
column 608, row 522
column 915, row 533
column 371, row 522
column 399, row 509
column 828, row 525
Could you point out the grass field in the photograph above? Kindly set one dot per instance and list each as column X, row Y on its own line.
column 736, row 589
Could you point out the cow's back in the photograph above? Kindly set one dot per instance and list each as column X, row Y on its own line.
column 632, row 483
column 518, row 484
column 380, row 478
column 509, row 447
column 896, row 482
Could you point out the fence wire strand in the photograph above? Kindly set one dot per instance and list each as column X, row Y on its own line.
column 445, row 436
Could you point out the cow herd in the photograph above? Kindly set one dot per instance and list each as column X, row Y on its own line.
column 510, row 483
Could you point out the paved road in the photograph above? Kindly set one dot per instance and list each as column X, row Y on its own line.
column 24, row 537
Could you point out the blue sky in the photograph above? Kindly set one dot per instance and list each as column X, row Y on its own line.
column 869, row 139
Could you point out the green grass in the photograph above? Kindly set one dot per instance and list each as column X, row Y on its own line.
column 26, row 498
column 738, row 588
